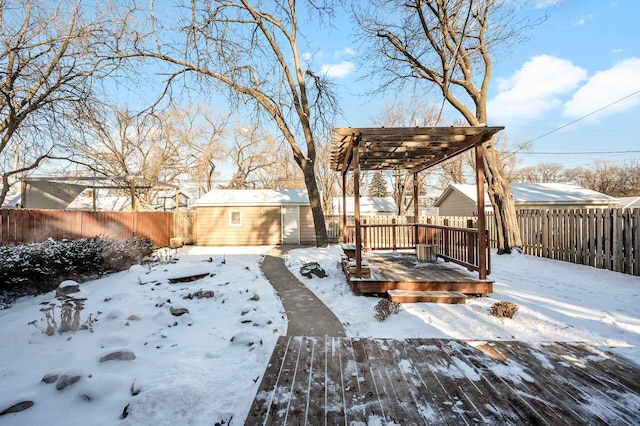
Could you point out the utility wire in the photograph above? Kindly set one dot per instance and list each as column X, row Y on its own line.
column 578, row 119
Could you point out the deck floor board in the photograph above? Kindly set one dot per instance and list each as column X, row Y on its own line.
column 345, row 381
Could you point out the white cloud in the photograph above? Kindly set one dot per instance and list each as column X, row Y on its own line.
column 346, row 52
column 534, row 89
column 605, row 87
column 338, row 70
column 583, row 20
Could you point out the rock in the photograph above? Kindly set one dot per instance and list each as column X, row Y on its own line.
column 50, row 378
column 65, row 381
column 67, row 287
column 133, row 318
column 312, row 268
column 124, row 355
column 200, row 295
column 16, row 408
column 255, row 297
column 178, row 311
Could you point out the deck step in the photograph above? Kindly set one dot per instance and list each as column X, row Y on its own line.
column 403, row 296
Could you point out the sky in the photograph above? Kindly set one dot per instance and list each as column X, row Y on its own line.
column 204, row 367
column 561, row 90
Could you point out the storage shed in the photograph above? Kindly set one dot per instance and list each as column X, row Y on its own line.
column 246, row 217
column 460, row 199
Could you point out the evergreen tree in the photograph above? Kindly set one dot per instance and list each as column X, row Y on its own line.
column 378, row 185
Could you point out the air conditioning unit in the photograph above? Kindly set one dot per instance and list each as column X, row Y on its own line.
column 427, row 253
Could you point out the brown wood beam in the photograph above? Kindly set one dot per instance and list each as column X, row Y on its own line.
column 482, row 227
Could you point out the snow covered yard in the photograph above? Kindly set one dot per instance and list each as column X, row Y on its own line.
column 558, row 301
column 204, row 367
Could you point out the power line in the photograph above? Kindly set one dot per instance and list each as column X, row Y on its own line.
column 578, row 119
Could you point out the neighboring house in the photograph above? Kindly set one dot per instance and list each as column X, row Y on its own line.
column 369, row 206
column 629, row 202
column 240, row 217
column 166, row 200
column 460, row 199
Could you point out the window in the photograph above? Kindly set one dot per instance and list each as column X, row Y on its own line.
column 235, row 218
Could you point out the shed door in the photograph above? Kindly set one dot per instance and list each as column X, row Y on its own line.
column 290, row 225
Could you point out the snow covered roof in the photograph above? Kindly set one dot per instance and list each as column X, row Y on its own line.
column 629, row 202
column 538, row 193
column 368, row 205
column 12, row 198
column 103, row 203
column 253, row 197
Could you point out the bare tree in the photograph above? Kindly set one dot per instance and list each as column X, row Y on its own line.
column 251, row 50
column 199, row 135
column 133, row 146
column 249, row 154
column 540, row 173
column 52, row 56
column 448, row 44
column 400, row 114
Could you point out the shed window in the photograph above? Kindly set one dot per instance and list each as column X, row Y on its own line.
column 235, row 218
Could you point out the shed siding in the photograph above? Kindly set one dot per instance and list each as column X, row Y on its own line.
column 260, row 226
column 307, row 231
column 456, row 204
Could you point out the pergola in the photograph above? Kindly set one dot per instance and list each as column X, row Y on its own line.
column 407, row 148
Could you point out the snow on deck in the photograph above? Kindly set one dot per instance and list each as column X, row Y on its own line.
column 345, row 381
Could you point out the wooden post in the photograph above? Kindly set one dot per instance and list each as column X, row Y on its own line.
column 356, row 207
column 345, row 237
column 482, row 231
column 416, row 210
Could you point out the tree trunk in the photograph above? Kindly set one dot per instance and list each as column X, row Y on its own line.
column 316, row 205
column 508, row 231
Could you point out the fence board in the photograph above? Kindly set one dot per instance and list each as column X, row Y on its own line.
column 27, row 225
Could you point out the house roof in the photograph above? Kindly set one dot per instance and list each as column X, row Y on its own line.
column 253, row 197
column 368, row 205
column 13, row 197
column 630, row 202
column 537, row 193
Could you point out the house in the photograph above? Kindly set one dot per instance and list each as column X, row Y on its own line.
column 369, row 206
column 240, row 217
column 460, row 199
column 629, row 202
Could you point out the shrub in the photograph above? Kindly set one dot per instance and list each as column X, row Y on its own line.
column 385, row 308
column 39, row 267
column 503, row 309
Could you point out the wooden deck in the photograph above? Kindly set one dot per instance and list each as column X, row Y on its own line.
column 345, row 381
column 402, row 271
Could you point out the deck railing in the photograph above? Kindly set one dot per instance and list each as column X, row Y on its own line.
column 457, row 245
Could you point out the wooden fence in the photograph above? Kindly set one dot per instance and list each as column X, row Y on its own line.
column 602, row 238
column 26, row 225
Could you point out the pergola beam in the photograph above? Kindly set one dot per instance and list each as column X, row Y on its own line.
column 408, row 148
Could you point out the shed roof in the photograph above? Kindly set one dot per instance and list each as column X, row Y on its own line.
column 403, row 148
column 538, row 193
column 253, row 197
